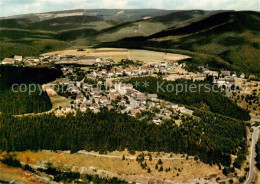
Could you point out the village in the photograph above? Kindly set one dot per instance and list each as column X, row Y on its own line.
column 95, row 83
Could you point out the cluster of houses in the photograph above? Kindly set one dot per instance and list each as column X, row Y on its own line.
column 225, row 79
column 121, row 96
column 25, row 61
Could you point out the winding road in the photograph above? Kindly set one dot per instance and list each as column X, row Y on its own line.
column 252, row 167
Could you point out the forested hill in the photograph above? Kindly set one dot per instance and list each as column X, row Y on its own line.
column 227, row 40
column 17, row 75
column 221, row 39
column 212, row 138
column 19, row 100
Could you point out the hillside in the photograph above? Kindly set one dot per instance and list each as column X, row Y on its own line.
column 230, row 39
column 221, row 39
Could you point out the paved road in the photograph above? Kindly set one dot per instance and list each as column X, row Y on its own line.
column 252, row 167
column 133, row 104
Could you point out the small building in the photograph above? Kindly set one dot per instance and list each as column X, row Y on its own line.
column 8, row 61
column 83, row 107
column 225, row 73
column 18, row 59
column 152, row 97
column 252, row 77
column 93, row 106
column 242, row 76
column 134, row 112
column 157, row 120
column 112, row 95
column 167, row 112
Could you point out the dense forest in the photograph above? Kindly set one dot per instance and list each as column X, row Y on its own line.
column 199, row 96
column 16, row 99
column 212, row 138
column 24, row 102
column 26, row 75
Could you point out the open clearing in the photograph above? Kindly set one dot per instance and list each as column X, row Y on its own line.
column 181, row 170
column 118, row 53
column 18, row 175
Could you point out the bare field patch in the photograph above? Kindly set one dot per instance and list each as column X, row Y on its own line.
column 16, row 174
column 180, row 170
column 118, row 53
column 56, row 100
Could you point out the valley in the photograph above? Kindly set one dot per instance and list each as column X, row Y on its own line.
column 130, row 96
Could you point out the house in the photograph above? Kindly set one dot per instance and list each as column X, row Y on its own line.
column 36, row 60
column 110, row 73
column 103, row 99
column 95, row 91
column 227, row 81
column 211, row 73
column 107, row 103
column 134, row 112
column 157, row 120
column 140, row 96
column 64, row 81
column 112, row 95
column 252, row 77
column 103, row 71
column 8, row 61
column 135, row 71
column 50, row 91
column 83, row 107
column 119, row 71
column 97, row 95
column 225, row 73
column 91, row 76
column 18, row 59
column 242, row 76
column 175, row 106
column 80, row 98
column 167, row 112
column 163, row 64
column 85, row 86
column 98, row 60
column 122, row 88
column 128, row 71
column 93, row 106
column 152, row 97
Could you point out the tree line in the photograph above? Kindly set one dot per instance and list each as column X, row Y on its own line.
column 212, row 138
column 17, row 102
column 15, row 99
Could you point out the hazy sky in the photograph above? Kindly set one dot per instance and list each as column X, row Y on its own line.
column 14, row 7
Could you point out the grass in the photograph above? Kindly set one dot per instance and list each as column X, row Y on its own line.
column 127, row 169
column 17, row 174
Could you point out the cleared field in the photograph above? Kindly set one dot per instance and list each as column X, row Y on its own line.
column 142, row 28
column 56, row 100
column 129, row 169
column 118, row 54
column 18, row 175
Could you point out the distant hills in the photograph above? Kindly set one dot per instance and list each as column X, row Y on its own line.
column 221, row 39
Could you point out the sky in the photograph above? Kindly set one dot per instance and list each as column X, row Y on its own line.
column 16, row 7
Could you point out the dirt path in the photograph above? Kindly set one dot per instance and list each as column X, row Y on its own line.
column 129, row 157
